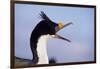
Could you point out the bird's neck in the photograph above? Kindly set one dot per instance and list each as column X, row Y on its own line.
column 42, row 49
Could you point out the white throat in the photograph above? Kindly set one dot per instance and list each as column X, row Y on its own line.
column 42, row 49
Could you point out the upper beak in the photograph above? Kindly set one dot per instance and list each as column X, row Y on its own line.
column 67, row 25
column 60, row 37
column 57, row 28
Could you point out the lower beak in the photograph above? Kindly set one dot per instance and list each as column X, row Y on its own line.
column 60, row 37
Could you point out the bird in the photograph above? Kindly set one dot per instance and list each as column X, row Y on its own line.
column 44, row 30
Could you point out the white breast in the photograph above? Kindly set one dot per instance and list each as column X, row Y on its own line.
column 42, row 49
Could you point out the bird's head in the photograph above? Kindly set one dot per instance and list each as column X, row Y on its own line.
column 54, row 27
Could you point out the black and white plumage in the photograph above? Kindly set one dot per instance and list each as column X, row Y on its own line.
column 39, row 36
column 44, row 30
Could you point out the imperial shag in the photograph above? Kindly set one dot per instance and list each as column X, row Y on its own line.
column 38, row 39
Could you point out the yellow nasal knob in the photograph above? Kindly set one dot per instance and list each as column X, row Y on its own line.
column 60, row 25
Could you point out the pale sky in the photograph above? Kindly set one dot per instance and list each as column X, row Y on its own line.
column 81, row 33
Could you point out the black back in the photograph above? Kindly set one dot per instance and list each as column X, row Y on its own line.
column 45, row 26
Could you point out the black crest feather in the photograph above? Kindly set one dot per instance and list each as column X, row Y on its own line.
column 44, row 16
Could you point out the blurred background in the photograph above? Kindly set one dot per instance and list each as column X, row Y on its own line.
column 81, row 33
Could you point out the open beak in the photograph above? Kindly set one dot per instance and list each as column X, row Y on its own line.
column 60, row 26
